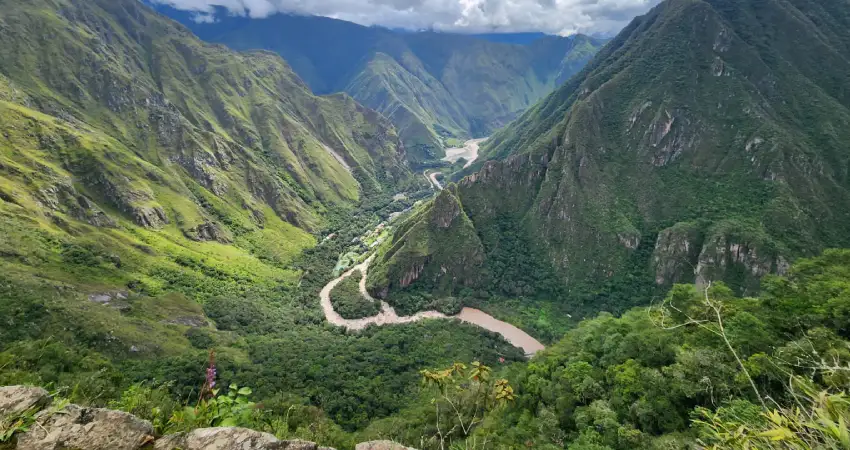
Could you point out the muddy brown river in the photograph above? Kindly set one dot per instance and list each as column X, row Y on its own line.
column 388, row 316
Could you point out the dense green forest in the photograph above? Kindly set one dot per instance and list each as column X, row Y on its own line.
column 348, row 302
column 653, row 377
column 271, row 338
column 701, row 367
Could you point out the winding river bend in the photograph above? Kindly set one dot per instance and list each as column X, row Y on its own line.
column 388, row 316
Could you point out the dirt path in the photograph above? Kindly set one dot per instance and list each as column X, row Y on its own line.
column 387, row 316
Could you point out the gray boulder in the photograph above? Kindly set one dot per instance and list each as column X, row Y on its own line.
column 86, row 428
column 17, row 399
column 228, row 439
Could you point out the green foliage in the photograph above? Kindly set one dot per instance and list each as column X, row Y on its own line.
column 349, row 302
column 638, row 381
column 233, row 409
column 200, row 338
column 16, row 424
column 23, row 421
column 817, row 421
column 153, row 403
column 462, row 396
column 176, row 183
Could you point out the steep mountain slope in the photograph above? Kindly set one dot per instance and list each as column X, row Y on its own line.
column 432, row 86
column 145, row 119
column 709, row 140
column 439, row 230
column 136, row 159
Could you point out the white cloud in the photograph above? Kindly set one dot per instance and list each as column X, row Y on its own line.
column 552, row 16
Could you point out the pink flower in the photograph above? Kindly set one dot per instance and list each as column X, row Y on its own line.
column 211, row 372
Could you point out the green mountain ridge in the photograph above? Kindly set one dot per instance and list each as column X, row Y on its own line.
column 187, row 117
column 702, row 143
column 433, row 86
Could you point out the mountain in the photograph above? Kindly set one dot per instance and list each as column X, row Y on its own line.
column 144, row 172
column 133, row 118
column 436, row 88
column 707, row 141
column 438, row 230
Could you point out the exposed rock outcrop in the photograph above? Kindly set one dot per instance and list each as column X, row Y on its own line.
column 687, row 253
column 208, row 231
column 86, row 428
column 229, row 439
column 115, row 300
column 15, row 400
column 83, row 428
column 676, row 250
column 446, row 208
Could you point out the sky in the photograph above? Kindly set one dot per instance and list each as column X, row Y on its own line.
column 466, row 16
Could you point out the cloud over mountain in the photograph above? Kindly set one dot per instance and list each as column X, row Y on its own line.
column 552, row 16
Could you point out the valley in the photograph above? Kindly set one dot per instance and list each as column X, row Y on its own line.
column 257, row 220
column 436, row 88
column 469, row 152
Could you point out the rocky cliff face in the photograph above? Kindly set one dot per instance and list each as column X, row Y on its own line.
column 685, row 135
column 51, row 427
column 687, row 253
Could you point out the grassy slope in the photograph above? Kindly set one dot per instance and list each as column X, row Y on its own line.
column 238, row 125
column 167, row 164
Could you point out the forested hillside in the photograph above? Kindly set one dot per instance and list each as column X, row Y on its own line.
column 705, row 142
column 160, row 196
column 438, row 89
column 700, row 369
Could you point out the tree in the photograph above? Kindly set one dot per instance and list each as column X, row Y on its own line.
column 462, row 397
column 680, row 310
